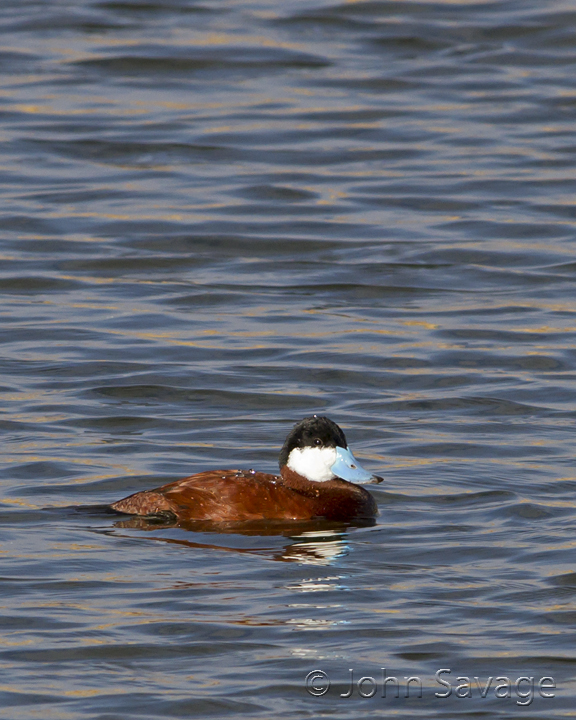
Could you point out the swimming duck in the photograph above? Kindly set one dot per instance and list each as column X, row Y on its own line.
column 318, row 476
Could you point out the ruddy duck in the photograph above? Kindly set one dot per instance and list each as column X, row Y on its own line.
column 317, row 480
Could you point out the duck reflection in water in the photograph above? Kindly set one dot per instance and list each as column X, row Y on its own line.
column 308, row 543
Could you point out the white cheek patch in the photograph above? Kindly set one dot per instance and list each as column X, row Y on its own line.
column 313, row 463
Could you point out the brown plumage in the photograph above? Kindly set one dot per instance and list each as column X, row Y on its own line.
column 241, row 495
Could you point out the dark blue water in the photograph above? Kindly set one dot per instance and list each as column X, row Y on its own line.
column 221, row 216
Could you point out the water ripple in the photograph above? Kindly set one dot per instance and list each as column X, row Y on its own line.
column 220, row 217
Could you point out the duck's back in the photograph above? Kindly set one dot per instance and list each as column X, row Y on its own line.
column 219, row 496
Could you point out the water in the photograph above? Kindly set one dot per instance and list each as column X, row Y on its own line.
column 221, row 216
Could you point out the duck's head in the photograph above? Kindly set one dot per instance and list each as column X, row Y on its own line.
column 316, row 449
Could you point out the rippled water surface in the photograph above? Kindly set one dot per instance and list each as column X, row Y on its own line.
column 221, row 216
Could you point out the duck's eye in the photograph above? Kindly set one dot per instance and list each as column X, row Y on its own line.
column 317, row 442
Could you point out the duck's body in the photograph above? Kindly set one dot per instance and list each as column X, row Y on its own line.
column 310, row 486
column 245, row 495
